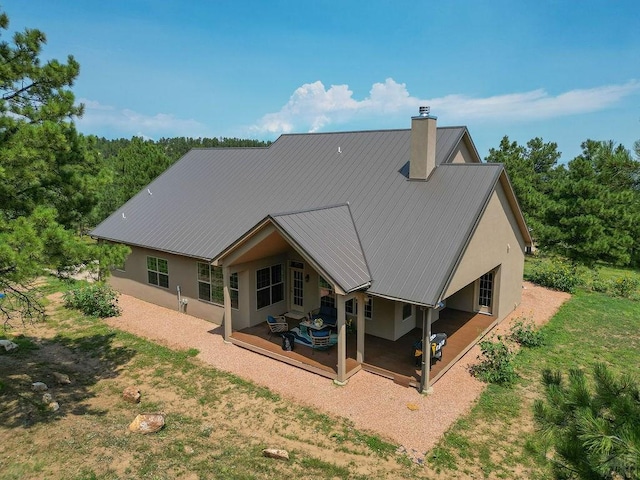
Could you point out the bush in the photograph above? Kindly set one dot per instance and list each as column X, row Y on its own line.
column 524, row 333
column 98, row 300
column 625, row 286
column 496, row 365
column 555, row 274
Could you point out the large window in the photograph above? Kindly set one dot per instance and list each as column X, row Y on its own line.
column 269, row 286
column 234, row 290
column 158, row 272
column 210, row 284
column 351, row 307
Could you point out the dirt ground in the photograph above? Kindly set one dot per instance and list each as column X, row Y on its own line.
column 100, row 369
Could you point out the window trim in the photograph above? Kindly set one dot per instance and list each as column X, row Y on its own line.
column 353, row 306
column 157, row 271
column 270, row 287
column 404, row 305
column 210, row 282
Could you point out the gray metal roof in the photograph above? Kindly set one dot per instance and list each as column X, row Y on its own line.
column 411, row 232
column 329, row 236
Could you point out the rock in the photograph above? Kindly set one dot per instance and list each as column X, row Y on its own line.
column 131, row 395
column 188, row 450
column 8, row 345
column 61, row 378
column 147, row 423
column 54, row 406
column 39, row 387
column 276, row 453
column 47, row 398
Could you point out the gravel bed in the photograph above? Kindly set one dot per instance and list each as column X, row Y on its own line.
column 373, row 403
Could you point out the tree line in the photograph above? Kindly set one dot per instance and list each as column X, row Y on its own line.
column 587, row 210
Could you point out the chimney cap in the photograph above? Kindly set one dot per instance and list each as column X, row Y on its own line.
column 425, row 112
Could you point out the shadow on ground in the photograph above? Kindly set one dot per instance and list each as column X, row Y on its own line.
column 85, row 361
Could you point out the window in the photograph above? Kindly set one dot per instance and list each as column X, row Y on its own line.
column 327, row 295
column 351, row 307
column 234, row 290
column 269, row 286
column 406, row 310
column 210, row 284
column 158, row 272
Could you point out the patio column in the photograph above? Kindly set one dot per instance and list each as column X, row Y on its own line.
column 227, row 305
column 361, row 298
column 342, row 342
column 426, row 351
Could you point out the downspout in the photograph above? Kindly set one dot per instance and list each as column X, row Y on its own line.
column 179, row 299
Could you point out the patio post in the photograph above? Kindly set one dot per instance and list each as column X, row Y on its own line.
column 342, row 342
column 426, row 351
column 227, row 305
column 361, row 298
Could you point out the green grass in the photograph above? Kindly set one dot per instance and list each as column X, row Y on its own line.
column 589, row 328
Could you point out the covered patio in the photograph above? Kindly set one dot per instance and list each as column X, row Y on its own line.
column 392, row 359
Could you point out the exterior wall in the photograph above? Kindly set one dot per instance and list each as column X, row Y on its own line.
column 463, row 299
column 182, row 272
column 497, row 242
column 463, row 155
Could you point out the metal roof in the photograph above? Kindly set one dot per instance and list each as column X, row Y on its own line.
column 329, row 236
column 411, row 232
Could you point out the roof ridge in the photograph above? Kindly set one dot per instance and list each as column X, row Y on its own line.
column 312, row 209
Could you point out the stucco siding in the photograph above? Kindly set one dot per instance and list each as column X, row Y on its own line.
column 496, row 242
column 463, row 155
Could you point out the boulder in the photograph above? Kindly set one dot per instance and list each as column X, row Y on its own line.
column 61, row 378
column 8, row 345
column 276, row 453
column 147, row 423
column 39, row 387
column 131, row 395
column 47, row 398
column 54, row 406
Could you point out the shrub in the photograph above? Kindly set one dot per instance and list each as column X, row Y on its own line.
column 625, row 286
column 525, row 334
column 496, row 365
column 98, row 300
column 556, row 274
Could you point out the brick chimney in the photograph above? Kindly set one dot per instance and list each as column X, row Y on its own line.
column 423, row 145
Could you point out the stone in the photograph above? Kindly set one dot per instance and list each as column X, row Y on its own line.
column 8, row 345
column 131, row 395
column 54, row 406
column 147, row 423
column 188, row 450
column 39, row 387
column 276, row 453
column 47, row 398
column 61, row 378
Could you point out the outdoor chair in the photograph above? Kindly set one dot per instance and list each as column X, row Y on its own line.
column 277, row 324
column 320, row 340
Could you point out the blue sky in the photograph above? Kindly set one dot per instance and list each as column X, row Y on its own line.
column 565, row 71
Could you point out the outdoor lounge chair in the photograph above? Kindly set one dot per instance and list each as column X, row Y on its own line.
column 277, row 324
column 320, row 339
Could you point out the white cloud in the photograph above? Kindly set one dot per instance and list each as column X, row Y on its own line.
column 125, row 122
column 312, row 106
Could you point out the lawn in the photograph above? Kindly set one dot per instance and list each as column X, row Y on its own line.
column 218, row 424
column 497, row 439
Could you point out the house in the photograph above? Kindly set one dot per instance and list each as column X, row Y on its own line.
column 394, row 229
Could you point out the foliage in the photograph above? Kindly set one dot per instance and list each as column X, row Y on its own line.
column 587, row 210
column 97, row 300
column 556, row 274
column 595, row 431
column 524, row 333
column 49, row 177
column 625, row 286
column 496, row 365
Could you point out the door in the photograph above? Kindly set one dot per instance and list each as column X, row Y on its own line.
column 485, row 293
column 296, row 285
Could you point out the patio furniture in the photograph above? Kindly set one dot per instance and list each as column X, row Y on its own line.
column 320, row 339
column 276, row 324
column 329, row 315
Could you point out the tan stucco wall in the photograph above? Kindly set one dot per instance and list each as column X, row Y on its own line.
column 463, row 299
column 463, row 155
column 182, row 271
column 497, row 242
